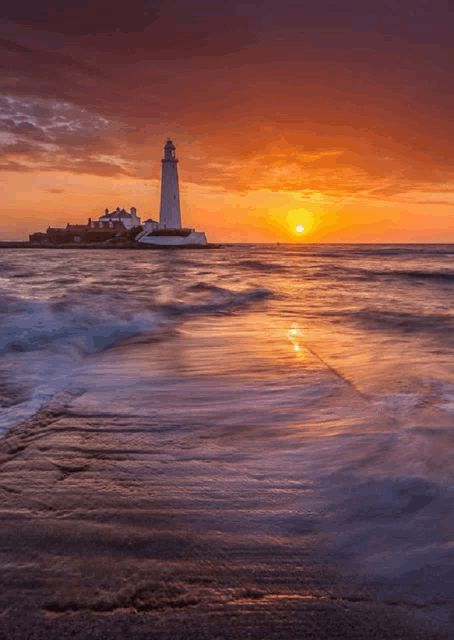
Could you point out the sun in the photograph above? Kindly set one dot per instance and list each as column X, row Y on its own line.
column 299, row 228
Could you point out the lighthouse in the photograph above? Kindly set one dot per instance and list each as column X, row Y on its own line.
column 169, row 214
column 169, row 232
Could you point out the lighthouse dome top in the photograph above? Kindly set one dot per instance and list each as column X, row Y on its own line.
column 169, row 151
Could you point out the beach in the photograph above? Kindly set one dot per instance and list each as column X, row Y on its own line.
column 107, row 532
column 244, row 444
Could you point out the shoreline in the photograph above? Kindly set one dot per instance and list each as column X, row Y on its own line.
column 101, row 245
column 108, row 531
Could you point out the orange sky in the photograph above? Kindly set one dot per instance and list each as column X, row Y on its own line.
column 337, row 116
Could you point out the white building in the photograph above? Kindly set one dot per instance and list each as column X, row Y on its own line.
column 168, row 231
column 150, row 225
column 129, row 219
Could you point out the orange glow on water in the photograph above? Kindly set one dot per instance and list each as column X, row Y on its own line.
column 294, row 334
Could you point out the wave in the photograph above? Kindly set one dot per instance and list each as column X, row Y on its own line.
column 220, row 301
column 379, row 320
column 256, row 265
column 389, row 530
column 442, row 276
column 89, row 323
column 352, row 252
column 203, row 286
column 351, row 273
column 387, row 514
column 407, row 250
column 43, row 344
column 445, row 276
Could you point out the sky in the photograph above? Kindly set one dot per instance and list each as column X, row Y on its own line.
column 332, row 114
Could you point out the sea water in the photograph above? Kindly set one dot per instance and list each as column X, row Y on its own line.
column 328, row 370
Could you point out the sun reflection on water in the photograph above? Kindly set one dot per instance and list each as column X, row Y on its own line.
column 294, row 334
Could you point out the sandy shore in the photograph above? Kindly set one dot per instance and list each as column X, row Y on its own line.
column 105, row 533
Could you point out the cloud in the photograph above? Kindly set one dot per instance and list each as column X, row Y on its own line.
column 50, row 135
column 344, row 100
column 449, row 203
column 40, row 135
column 43, row 60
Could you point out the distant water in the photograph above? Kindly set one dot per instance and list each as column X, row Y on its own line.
column 340, row 358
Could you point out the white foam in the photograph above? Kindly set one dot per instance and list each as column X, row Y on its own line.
column 43, row 345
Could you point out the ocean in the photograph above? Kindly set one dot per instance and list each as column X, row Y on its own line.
column 310, row 386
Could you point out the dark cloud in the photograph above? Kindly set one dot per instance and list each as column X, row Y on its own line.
column 384, row 192
column 32, row 161
column 19, row 148
column 383, row 16
column 91, row 166
column 334, row 96
column 44, row 60
column 79, row 18
column 10, row 165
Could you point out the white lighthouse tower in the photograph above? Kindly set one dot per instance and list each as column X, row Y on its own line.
column 169, row 232
column 169, row 214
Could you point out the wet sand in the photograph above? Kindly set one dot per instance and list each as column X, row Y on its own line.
column 110, row 528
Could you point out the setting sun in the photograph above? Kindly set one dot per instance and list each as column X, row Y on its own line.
column 300, row 228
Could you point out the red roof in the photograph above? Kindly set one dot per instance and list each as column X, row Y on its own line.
column 76, row 227
column 115, row 225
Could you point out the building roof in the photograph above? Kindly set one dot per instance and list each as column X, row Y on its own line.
column 116, row 214
column 105, row 229
column 113, row 225
column 76, row 227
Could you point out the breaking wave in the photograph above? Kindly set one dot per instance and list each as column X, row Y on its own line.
column 43, row 344
column 86, row 325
